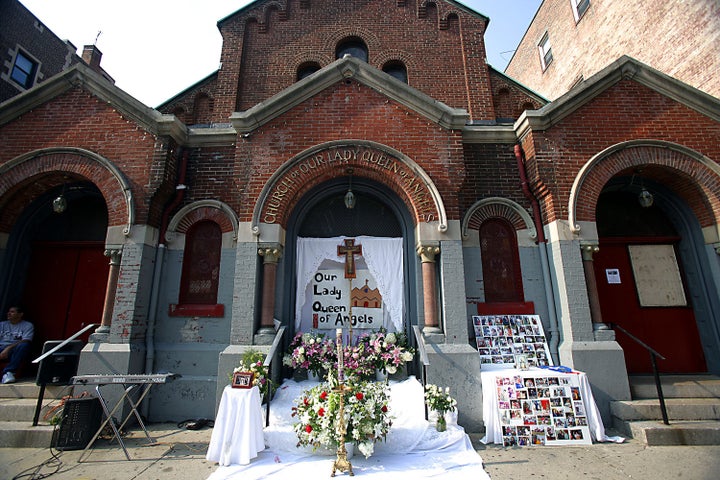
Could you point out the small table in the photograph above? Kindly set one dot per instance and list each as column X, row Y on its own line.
column 237, row 436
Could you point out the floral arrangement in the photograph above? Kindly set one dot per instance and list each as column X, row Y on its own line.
column 438, row 399
column 386, row 351
column 367, row 417
column 252, row 361
column 312, row 352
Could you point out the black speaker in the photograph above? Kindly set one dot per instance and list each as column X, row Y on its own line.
column 81, row 419
column 60, row 366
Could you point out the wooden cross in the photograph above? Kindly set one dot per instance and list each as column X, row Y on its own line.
column 349, row 249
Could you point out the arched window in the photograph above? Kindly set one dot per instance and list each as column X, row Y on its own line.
column 353, row 46
column 306, row 69
column 397, row 69
column 201, row 264
column 500, row 262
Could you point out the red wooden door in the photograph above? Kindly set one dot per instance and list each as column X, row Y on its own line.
column 65, row 288
column 671, row 331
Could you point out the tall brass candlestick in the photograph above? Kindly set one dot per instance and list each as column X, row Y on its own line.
column 341, row 462
column 341, row 360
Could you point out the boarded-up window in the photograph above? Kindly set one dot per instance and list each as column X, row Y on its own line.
column 201, row 264
column 500, row 262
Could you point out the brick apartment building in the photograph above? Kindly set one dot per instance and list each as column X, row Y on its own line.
column 472, row 195
column 571, row 40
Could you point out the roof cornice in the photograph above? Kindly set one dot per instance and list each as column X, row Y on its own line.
column 623, row 68
column 82, row 76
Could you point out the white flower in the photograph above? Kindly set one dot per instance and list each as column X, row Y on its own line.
column 391, row 338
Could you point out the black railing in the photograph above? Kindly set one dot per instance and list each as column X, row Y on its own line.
column 653, row 360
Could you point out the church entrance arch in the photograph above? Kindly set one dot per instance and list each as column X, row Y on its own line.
column 378, row 217
column 642, row 271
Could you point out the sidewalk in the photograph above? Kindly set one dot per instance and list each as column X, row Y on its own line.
column 180, row 454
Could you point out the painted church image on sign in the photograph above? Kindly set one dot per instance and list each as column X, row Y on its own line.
column 192, row 230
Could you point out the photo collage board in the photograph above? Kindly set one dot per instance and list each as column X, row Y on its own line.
column 542, row 410
column 502, row 340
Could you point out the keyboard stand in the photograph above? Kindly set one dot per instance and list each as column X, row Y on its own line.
column 144, row 388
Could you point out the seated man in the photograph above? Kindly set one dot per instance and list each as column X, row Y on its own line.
column 16, row 334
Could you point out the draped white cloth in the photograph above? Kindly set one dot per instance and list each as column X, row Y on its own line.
column 237, row 436
column 382, row 256
column 413, row 448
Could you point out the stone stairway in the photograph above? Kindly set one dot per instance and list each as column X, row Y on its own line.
column 693, row 407
column 17, row 408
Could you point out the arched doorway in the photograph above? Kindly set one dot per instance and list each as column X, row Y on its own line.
column 644, row 271
column 58, row 270
column 378, row 212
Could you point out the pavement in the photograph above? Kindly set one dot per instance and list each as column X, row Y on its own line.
column 179, row 454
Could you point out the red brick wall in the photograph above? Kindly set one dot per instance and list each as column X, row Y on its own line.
column 77, row 119
column 442, row 47
column 625, row 112
column 347, row 110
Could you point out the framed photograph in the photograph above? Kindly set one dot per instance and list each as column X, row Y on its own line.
column 242, row 380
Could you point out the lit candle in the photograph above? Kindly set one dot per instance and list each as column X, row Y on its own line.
column 341, row 367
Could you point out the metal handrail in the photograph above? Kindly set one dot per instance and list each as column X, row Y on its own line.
column 268, row 362
column 656, row 374
column 63, row 343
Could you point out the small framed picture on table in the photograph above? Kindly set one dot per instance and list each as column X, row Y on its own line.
column 242, row 380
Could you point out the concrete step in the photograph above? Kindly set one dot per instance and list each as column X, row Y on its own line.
column 28, row 389
column 675, row 386
column 14, row 409
column 22, row 434
column 655, row 433
column 677, row 409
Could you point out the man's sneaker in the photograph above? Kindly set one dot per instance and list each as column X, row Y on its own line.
column 8, row 378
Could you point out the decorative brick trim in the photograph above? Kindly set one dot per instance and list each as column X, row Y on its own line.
column 497, row 208
column 212, row 210
column 52, row 165
column 690, row 175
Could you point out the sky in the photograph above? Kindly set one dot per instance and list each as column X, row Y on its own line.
column 148, row 50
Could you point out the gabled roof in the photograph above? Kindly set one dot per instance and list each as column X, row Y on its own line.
column 338, row 71
column 623, row 68
column 80, row 75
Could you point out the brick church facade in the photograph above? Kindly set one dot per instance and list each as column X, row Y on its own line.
column 181, row 223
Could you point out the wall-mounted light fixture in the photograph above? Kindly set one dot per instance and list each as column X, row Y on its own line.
column 645, row 198
column 350, row 196
column 59, row 205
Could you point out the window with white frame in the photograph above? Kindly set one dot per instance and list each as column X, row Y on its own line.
column 23, row 70
column 579, row 8
column 545, row 51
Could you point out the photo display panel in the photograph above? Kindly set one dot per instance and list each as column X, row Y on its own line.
column 541, row 409
column 502, row 339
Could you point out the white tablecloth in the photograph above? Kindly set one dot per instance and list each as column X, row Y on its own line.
column 491, row 417
column 237, row 436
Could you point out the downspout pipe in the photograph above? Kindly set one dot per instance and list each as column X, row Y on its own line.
column 544, row 262
column 157, row 271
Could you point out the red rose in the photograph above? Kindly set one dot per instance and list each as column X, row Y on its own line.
column 305, row 401
column 323, row 395
column 359, row 395
column 308, row 428
column 321, row 412
column 384, row 408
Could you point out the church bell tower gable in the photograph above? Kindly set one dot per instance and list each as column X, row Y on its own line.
column 269, row 45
